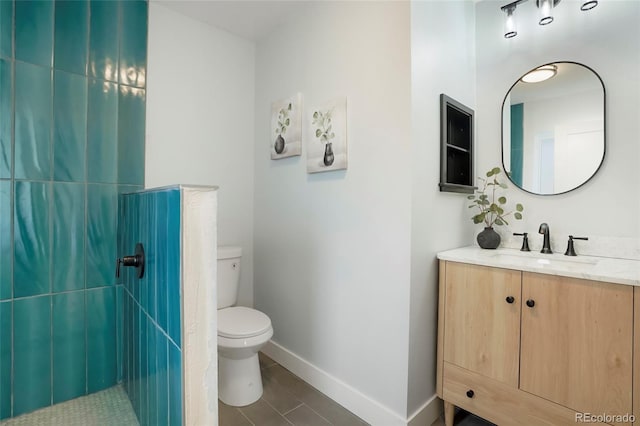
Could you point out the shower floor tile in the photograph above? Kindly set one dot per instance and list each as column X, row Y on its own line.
column 110, row 407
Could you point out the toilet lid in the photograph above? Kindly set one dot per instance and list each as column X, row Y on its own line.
column 240, row 322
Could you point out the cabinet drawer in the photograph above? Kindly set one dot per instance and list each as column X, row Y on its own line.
column 500, row 403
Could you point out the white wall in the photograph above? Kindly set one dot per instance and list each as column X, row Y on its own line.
column 332, row 260
column 606, row 39
column 442, row 61
column 200, row 124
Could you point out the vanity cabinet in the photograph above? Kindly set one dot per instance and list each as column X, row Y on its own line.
column 525, row 348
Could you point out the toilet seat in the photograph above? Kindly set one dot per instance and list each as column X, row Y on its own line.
column 240, row 322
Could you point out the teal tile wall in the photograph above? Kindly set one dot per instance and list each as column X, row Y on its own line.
column 6, row 115
column 72, row 112
column 151, row 367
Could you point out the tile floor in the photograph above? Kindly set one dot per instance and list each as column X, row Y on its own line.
column 110, row 407
column 287, row 400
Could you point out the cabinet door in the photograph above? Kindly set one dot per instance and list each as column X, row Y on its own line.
column 577, row 343
column 482, row 327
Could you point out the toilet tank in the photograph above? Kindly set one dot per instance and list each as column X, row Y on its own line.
column 228, row 275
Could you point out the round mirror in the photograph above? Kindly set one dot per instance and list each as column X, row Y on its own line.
column 553, row 128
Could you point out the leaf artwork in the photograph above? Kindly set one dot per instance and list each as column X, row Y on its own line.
column 283, row 120
column 322, row 122
column 490, row 212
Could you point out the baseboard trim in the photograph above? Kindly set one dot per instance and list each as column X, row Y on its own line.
column 353, row 400
column 428, row 413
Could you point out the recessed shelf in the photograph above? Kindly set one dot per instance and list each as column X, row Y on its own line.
column 456, row 146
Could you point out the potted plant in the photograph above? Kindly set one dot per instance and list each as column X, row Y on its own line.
column 281, row 128
column 491, row 210
column 322, row 122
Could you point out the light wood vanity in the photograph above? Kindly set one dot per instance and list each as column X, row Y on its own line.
column 525, row 345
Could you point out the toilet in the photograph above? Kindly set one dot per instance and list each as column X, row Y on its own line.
column 242, row 332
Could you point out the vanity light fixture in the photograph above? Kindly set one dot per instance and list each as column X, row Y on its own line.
column 510, row 23
column 588, row 5
column 542, row 73
column 545, row 8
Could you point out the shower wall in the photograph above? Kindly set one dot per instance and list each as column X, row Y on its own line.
column 170, row 330
column 72, row 114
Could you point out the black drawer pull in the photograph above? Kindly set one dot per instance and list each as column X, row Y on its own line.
column 470, row 393
column 510, row 299
column 531, row 303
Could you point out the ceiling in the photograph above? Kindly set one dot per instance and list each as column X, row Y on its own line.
column 249, row 19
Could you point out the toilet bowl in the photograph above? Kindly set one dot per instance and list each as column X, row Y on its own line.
column 242, row 332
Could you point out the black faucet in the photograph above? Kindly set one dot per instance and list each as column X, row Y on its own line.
column 571, row 251
column 546, row 244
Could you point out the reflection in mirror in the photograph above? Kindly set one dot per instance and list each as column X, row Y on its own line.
column 553, row 131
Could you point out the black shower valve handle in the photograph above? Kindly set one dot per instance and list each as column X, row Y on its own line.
column 136, row 260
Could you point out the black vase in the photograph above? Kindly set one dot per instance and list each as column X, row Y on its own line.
column 488, row 239
column 328, row 154
column 279, row 145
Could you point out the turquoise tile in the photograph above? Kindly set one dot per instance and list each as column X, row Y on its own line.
column 133, row 43
column 31, row 239
column 145, row 224
column 162, row 302
column 69, row 126
column 131, row 122
column 32, row 354
column 144, row 370
column 103, row 44
column 173, row 265
column 69, row 351
column 5, row 240
column 6, row 114
column 152, row 257
column 119, row 325
column 71, row 36
column 34, row 32
column 162, row 382
column 135, row 399
column 5, row 359
column 6, row 29
column 102, row 132
column 102, row 204
column 32, row 122
column 101, row 339
column 175, row 385
column 68, row 236
column 152, row 379
column 121, row 227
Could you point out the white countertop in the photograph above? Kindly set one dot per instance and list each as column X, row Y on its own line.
column 620, row 271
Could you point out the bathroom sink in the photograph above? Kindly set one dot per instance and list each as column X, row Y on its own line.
column 545, row 259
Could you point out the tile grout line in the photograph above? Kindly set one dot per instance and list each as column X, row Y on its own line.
column 293, row 409
column 276, row 411
column 243, row 415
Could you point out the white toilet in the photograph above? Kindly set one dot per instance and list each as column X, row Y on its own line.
column 242, row 332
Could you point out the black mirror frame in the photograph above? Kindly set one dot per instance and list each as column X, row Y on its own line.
column 604, row 110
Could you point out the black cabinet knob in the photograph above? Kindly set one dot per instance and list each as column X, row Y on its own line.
column 510, row 299
column 531, row 303
column 470, row 393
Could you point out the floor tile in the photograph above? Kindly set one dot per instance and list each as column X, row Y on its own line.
column 265, row 361
column 278, row 396
column 231, row 416
column 305, row 416
column 262, row 414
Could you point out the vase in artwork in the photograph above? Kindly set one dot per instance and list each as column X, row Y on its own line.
column 279, row 145
column 328, row 154
column 488, row 238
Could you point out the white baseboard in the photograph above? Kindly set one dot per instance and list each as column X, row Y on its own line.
column 428, row 413
column 353, row 400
